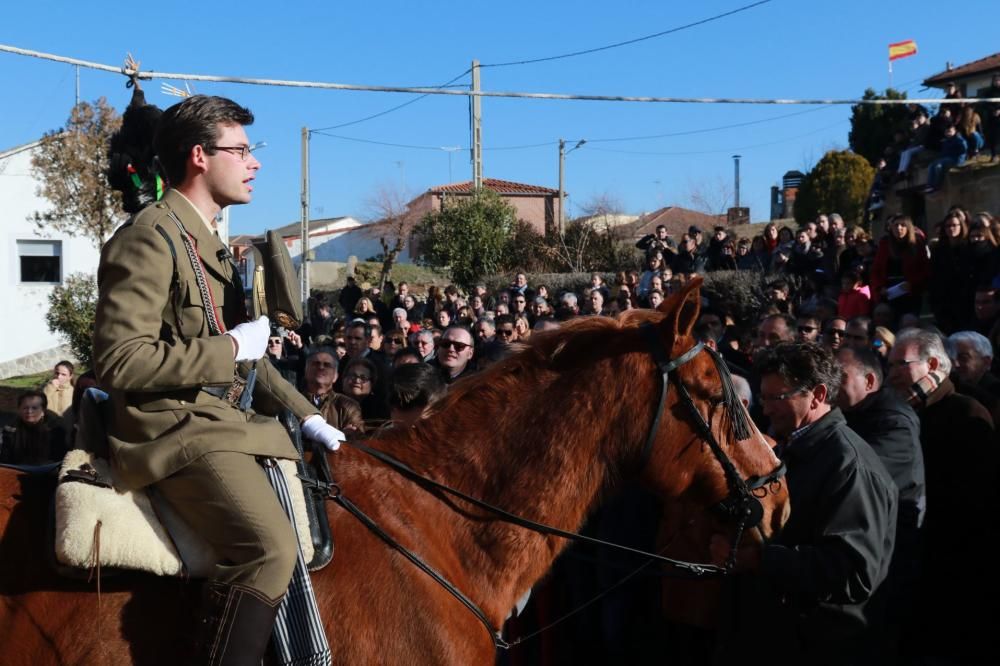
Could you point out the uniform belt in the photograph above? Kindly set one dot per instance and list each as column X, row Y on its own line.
column 230, row 394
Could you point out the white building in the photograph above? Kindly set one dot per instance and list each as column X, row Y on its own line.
column 331, row 242
column 32, row 263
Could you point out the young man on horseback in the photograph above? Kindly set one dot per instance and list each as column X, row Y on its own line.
column 171, row 342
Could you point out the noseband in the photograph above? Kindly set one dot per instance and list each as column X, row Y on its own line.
column 741, row 506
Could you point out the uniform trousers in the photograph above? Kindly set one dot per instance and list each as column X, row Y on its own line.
column 226, row 498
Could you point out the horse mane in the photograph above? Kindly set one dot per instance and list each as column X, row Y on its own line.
column 509, row 400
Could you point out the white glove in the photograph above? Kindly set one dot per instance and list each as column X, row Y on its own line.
column 251, row 339
column 315, row 427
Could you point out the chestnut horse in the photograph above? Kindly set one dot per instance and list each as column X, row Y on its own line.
column 543, row 433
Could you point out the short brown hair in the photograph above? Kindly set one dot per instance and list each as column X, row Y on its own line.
column 193, row 122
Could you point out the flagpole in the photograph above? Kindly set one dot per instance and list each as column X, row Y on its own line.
column 890, row 72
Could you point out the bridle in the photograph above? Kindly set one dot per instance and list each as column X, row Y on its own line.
column 741, row 505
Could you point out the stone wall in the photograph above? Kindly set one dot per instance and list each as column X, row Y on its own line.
column 35, row 363
column 975, row 186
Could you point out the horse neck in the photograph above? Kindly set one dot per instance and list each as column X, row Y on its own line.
column 547, row 464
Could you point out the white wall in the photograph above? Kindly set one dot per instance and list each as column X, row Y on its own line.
column 23, row 305
column 360, row 243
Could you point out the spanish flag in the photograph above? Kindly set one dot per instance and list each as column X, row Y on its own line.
column 902, row 50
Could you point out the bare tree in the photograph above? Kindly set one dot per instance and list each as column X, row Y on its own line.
column 591, row 240
column 71, row 164
column 393, row 225
column 710, row 196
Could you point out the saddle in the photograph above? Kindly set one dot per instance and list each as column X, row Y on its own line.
column 95, row 524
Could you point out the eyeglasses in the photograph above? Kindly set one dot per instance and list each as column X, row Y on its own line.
column 505, row 332
column 782, row 396
column 806, row 329
column 242, row 152
column 903, row 362
column 364, row 379
column 838, row 332
column 452, row 344
column 274, row 341
column 394, row 341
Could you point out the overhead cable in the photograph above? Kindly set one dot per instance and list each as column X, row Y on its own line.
column 629, row 41
column 378, row 143
column 395, row 108
column 726, row 150
column 146, row 75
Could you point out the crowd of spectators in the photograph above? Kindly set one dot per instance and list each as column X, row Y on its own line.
column 880, row 352
column 958, row 132
column 886, row 345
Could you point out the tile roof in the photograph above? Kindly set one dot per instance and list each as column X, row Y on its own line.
column 989, row 63
column 496, row 185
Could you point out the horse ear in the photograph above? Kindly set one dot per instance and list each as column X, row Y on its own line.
column 685, row 315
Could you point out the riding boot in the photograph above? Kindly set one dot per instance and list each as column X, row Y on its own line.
column 236, row 625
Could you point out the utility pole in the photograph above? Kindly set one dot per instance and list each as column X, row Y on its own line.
column 562, row 181
column 736, row 162
column 304, row 227
column 77, row 86
column 476, row 103
column 562, row 187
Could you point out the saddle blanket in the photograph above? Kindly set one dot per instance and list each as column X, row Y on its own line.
column 137, row 532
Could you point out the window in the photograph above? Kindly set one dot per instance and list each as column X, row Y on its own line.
column 41, row 261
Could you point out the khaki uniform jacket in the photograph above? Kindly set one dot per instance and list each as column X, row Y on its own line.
column 153, row 352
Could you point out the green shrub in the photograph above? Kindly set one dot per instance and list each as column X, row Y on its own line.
column 839, row 183
column 743, row 293
column 72, row 307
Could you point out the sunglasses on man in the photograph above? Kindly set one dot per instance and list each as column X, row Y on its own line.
column 452, row 344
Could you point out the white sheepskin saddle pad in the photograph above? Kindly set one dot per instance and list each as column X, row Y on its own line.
column 123, row 530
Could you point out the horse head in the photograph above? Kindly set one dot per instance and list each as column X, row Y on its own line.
column 709, row 453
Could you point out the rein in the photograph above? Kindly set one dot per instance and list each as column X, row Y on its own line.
column 740, row 505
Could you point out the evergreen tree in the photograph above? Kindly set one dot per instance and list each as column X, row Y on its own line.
column 469, row 236
column 839, row 183
column 873, row 125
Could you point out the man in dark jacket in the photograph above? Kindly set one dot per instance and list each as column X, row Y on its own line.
column 892, row 429
column 816, row 581
column 889, row 425
column 959, row 447
column 349, row 297
column 660, row 240
column 689, row 257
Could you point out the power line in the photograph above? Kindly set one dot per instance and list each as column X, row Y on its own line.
column 546, row 144
column 706, row 130
column 723, row 150
column 395, row 108
column 148, row 75
column 630, row 41
column 377, row 143
column 604, row 150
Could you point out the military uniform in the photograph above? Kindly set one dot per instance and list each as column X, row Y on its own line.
column 154, row 353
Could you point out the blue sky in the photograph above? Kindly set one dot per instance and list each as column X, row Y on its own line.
column 782, row 49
